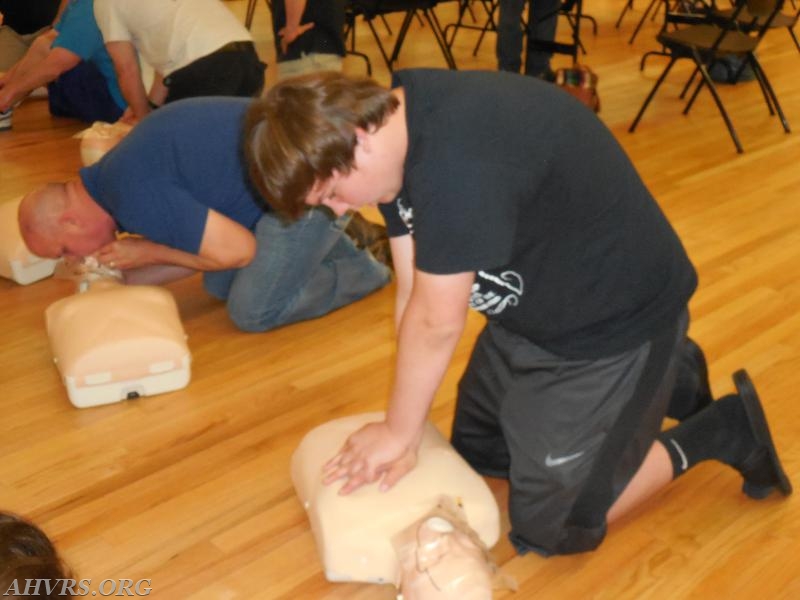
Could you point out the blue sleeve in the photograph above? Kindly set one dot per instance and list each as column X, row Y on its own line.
column 157, row 210
column 78, row 31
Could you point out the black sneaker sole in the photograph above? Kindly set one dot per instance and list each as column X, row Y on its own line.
column 760, row 428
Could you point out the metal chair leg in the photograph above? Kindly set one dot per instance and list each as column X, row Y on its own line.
column 652, row 94
column 760, row 73
column 250, row 13
column 717, row 100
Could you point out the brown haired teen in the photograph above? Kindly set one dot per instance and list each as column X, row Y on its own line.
column 503, row 194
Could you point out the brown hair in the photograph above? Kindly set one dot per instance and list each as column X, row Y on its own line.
column 27, row 553
column 304, row 129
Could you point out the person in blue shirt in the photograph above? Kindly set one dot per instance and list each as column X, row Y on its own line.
column 71, row 59
column 180, row 182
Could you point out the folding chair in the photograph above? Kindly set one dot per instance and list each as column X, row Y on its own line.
column 747, row 21
column 704, row 40
column 572, row 10
column 369, row 10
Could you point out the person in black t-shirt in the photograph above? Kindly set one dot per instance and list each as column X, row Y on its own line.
column 505, row 194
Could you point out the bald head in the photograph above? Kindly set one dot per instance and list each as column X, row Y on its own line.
column 60, row 219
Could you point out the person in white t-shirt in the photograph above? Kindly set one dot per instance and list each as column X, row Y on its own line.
column 196, row 48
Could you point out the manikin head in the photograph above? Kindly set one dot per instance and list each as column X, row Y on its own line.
column 325, row 139
column 61, row 219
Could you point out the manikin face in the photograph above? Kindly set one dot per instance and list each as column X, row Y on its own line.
column 376, row 178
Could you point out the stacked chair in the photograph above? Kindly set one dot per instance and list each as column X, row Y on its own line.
column 705, row 37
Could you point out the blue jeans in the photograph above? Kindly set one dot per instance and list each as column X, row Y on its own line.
column 542, row 21
column 301, row 270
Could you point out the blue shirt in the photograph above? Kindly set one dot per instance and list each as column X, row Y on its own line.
column 78, row 32
column 181, row 160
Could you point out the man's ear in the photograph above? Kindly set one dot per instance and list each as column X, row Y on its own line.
column 363, row 139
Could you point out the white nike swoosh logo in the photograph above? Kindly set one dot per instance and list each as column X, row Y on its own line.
column 549, row 461
column 681, row 453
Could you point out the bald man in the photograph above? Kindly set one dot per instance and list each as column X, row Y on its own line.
column 178, row 182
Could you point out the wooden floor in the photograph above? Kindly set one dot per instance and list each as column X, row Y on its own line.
column 191, row 489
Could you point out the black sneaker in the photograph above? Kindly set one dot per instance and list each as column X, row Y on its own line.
column 762, row 470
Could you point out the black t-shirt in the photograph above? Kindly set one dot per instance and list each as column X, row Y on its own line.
column 28, row 16
column 512, row 178
column 327, row 35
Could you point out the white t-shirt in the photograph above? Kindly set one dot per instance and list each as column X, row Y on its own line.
column 169, row 34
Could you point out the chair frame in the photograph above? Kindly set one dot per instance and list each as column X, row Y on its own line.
column 572, row 10
column 705, row 55
column 369, row 10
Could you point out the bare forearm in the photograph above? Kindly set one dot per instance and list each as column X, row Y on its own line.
column 294, row 12
column 35, row 54
column 164, row 255
column 132, row 89
column 158, row 91
column 425, row 348
column 403, row 258
column 156, row 274
column 135, row 253
column 22, row 83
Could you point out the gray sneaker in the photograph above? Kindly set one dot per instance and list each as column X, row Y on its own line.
column 5, row 119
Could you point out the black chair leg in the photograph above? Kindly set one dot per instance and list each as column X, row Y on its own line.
column 628, row 6
column 386, row 25
column 378, row 43
column 717, row 100
column 643, row 19
column 647, row 55
column 350, row 36
column 250, row 13
column 490, row 25
column 652, row 93
column 761, row 84
column 688, row 84
column 696, row 91
column 438, row 33
column 794, row 38
column 573, row 23
column 763, row 77
column 401, row 37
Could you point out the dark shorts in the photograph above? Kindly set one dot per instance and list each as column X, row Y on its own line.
column 82, row 93
column 233, row 70
column 568, row 434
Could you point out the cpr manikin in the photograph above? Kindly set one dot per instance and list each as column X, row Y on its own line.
column 354, row 533
column 98, row 139
column 16, row 262
column 112, row 342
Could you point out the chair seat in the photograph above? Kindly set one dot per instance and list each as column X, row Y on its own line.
column 780, row 20
column 703, row 38
column 374, row 8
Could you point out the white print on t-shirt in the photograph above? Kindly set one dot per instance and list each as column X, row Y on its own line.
column 406, row 213
column 508, row 288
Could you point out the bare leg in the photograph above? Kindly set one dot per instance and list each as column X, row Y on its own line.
column 656, row 472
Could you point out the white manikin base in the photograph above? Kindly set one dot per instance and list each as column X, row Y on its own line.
column 115, row 342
